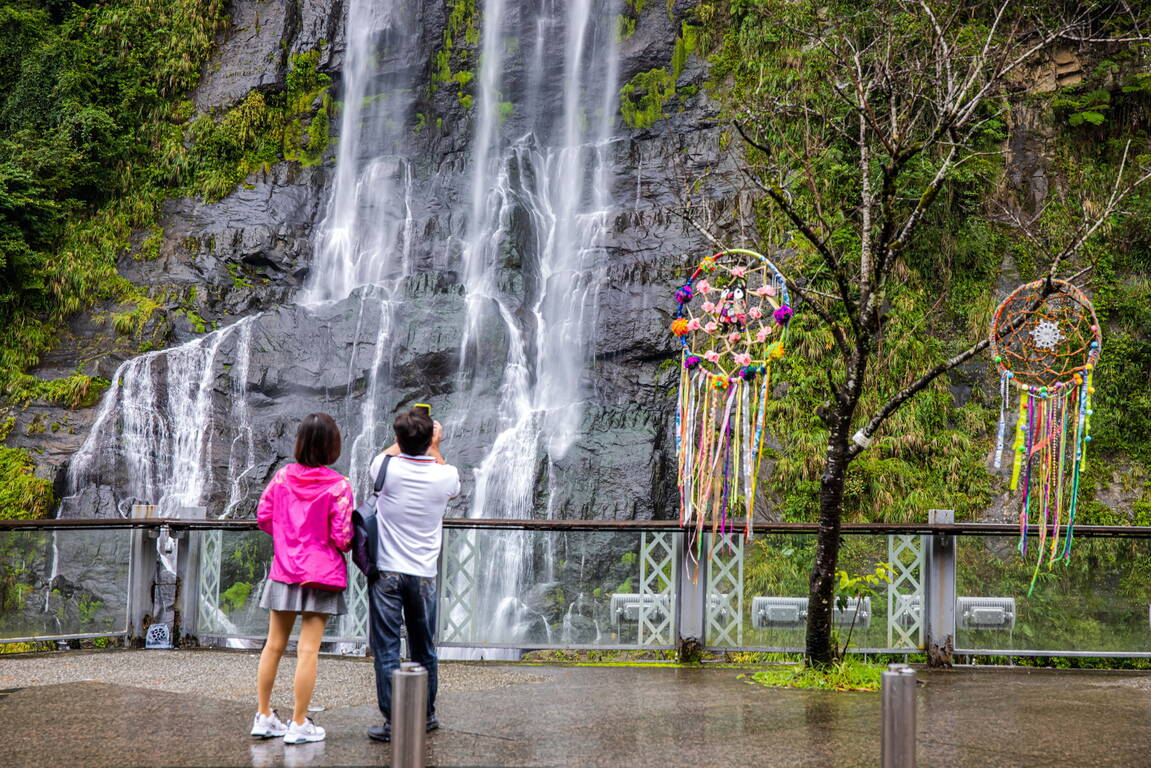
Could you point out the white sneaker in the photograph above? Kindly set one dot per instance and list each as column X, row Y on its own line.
column 299, row 734
column 268, row 726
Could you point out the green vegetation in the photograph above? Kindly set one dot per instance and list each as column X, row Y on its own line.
column 643, row 98
column 934, row 452
column 260, row 131
column 95, row 133
column 22, row 494
column 235, row 597
column 85, row 99
column 849, row 674
column 455, row 58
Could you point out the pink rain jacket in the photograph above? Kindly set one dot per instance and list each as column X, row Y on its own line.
column 308, row 512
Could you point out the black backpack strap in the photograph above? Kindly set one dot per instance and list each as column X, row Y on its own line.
column 383, row 474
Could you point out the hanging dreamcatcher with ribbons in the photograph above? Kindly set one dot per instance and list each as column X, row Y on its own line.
column 732, row 321
column 1046, row 342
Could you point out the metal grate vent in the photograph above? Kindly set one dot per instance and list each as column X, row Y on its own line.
column 158, row 636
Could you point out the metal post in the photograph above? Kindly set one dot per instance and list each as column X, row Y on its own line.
column 187, row 579
column 898, row 736
column 690, row 595
column 409, row 715
column 940, row 591
column 141, row 580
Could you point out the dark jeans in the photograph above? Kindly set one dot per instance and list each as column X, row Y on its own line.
column 392, row 598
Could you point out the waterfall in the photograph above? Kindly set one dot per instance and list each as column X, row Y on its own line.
column 553, row 174
column 516, row 228
column 369, row 216
column 365, row 240
column 157, row 419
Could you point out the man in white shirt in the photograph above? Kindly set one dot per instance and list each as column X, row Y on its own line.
column 410, row 513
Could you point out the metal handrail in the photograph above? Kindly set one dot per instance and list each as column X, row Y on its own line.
column 592, row 526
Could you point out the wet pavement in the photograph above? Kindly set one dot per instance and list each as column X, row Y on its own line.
column 518, row 715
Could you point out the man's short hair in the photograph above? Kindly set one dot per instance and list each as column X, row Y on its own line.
column 414, row 430
column 317, row 440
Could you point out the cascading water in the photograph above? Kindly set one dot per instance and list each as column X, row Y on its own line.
column 156, row 424
column 365, row 241
column 553, row 175
column 524, row 248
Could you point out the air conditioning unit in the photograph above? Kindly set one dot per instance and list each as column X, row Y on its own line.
column 627, row 607
column 778, row 612
column 791, row 613
column 985, row 613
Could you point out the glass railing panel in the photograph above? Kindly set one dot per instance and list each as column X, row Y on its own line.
column 1097, row 602
column 757, row 593
column 233, row 572
column 535, row 589
column 62, row 583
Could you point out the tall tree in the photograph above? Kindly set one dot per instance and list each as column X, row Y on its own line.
column 894, row 104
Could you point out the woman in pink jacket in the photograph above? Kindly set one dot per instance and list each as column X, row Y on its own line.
column 307, row 509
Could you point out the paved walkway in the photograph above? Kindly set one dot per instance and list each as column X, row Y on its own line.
column 160, row 708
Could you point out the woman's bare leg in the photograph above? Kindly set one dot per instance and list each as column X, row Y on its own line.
column 279, row 627
column 307, row 653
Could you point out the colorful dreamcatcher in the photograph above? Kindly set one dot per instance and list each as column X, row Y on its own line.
column 1046, row 342
column 732, row 321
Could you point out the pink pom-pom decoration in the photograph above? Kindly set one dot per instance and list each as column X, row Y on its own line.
column 703, row 287
column 711, row 356
column 763, row 290
column 711, row 327
column 693, row 324
column 742, row 359
column 707, row 306
column 733, row 338
column 738, row 271
column 783, row 315
column 770, row 290
column 754, row 313
column 763, row 334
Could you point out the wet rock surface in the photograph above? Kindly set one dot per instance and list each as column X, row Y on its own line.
column 249, row 254
column 256, row 50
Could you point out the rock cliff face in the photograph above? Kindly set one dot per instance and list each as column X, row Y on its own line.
column 249, row 255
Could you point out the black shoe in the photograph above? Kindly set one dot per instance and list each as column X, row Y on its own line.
column 381, row 732
column 433, row 724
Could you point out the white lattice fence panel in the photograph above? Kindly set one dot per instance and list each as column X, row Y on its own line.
column 209, row 581
column 724, row 607
column 355, row 621
column 458, row 587
column 905, row 608
column 657, row 577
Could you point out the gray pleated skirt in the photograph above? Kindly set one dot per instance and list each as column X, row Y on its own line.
column 295, row 597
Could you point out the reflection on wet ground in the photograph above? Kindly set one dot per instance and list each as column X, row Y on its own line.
column 596, row 716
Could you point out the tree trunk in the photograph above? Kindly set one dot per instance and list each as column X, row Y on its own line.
column 820, row 649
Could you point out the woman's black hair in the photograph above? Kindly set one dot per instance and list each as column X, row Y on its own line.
column 317, row 440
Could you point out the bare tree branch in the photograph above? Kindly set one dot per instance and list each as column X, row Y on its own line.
column 701, row 230
column 905, row 394
column 1116, row 197
column 819, row 243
